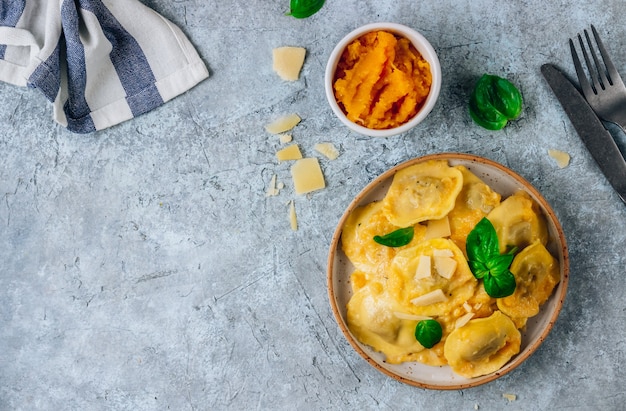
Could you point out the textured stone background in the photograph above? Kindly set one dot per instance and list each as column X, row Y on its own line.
column 143, row 267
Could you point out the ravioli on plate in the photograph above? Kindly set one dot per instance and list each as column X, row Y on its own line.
column 429, row 278
column 424, row 191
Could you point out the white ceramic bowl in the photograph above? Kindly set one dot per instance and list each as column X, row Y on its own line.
column 504, row 181
column 421, row 44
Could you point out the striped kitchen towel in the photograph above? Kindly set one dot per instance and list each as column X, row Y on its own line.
column 100, row 62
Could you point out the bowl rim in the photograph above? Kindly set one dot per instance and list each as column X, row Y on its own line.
column 421, row 44
column 528, row 350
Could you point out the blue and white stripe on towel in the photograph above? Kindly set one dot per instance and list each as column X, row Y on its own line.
column 100, row 62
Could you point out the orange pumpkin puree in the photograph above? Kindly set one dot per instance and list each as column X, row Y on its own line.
column 381, row 80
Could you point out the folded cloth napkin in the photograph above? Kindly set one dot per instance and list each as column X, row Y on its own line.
column 100, row 62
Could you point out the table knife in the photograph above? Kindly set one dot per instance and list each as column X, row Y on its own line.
column 592, row 132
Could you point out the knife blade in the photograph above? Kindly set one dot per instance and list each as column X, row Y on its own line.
column 590, row 129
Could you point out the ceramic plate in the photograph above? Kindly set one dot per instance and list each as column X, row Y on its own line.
column 505, row 182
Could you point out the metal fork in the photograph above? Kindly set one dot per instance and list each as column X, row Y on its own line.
column 607, row 93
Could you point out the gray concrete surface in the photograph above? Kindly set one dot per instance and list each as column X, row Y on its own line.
column 143, row 267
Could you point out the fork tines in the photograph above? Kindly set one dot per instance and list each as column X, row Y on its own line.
column 606, row 76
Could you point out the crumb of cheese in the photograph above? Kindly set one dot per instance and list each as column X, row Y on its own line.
column 327, row 149
column 561, row 157
column 285, row 138
column 272, row 190
column 510, row 397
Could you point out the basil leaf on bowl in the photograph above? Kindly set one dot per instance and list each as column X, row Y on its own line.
column 397, row 238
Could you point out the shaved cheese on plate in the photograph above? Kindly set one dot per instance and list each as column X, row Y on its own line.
column 307, row 175
column 327, row 149
column 288, row 61
column 445, row 266
column 561, row 157
column 423, row 267
column 445, row 252
column 433, row 297
column 410, row 317
column 467, row 307
column 282, row 124
column 464, row 319
column 438, row 229
column 291, row 152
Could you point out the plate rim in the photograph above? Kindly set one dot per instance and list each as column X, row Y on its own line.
column 522, row 356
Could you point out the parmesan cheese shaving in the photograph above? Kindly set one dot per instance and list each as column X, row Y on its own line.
column 291, row 152
column 272, row 190
column 327, row 149
column 423, row 267
column 433, row 297
column 293, row 220
column 285, row 138
column 438, row 229
column 307, row 175
column 445, row 252
column 288, row 61
column 461, row 321
column 510, row 397
column 282, row 124
column 445, row 266
column 561, row 157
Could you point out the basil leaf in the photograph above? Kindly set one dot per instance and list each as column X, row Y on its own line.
column 482, row 242
column 507, row 98
column 494, row 101
column 398, row 238
column 484, row 114
column 479, row 269
column 486, row 262
column 428, row 333
column 499, row 264
column 301, row 9
column 500, row 286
